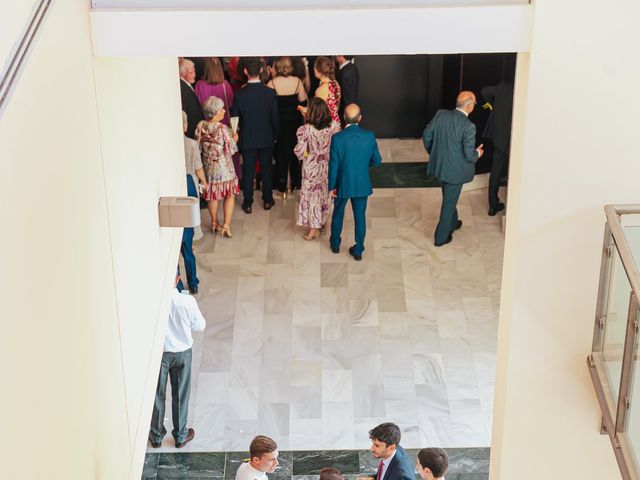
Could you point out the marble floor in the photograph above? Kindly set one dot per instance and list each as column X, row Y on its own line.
column 314, row 349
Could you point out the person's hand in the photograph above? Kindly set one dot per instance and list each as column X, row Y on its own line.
column 235, row 137
column 480, row 150
column 302, row 110
column 333, row 193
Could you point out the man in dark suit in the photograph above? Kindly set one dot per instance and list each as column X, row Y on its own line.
column 394, row 461
column 257, row 107
column 349, row 78
column 190, row 103
column 353, row 151
column 449, row 139
column 498, row 129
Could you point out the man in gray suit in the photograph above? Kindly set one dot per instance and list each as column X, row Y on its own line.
column 449, row 139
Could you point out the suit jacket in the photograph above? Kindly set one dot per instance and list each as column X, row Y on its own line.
column 191, row 106
column 450, row 140
column 257, row 107
column 349, row 79
column 400, row 467
column 498, row 127
column 353, row 151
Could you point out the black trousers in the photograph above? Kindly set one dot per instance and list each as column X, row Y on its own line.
column 500, row 160
column 250, row 157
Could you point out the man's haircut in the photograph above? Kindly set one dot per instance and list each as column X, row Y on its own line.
column 318, row 114
column 435, row 459
column 352, row 120
column 348, row 57
column 388, row 433
column 252, row 65
column 261, row 445
column 330, row 473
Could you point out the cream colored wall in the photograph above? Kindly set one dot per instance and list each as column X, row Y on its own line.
column 574, row 143
column 85, row 268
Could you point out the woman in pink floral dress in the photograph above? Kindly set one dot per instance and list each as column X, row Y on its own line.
column 218, row 146
column 314, row 140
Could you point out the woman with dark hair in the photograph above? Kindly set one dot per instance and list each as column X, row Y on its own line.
column 329, row 90
column 314, row 140
column 290, row 94
column 213, row 84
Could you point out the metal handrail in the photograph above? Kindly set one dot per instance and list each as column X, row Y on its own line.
column 10, row 75
column 615, row 410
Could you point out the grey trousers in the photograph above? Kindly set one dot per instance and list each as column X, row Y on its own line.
column 177, row 366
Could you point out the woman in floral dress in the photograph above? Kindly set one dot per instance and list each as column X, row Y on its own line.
column 314, row 140
column 329, row 90
column 218, row 146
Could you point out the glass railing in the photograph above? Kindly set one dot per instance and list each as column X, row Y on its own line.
column 613, row 359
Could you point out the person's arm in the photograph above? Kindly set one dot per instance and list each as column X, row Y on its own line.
column 376, row 159
column 301, row 147
column 197, row 321
column 302, row 94
column 471, row 153
column 427, row 136
column 334, row 166
column 198, row 165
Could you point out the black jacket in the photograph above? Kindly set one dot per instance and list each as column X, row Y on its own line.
column 257, row 107
column 349, row 79
column 400, row 467
column 190, row 106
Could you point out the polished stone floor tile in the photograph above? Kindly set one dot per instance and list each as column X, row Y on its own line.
column 311, row 462
column 189, row 465
column 295, row 332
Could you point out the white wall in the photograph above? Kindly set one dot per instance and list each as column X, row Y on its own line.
column 574, row 143
column 85, row 268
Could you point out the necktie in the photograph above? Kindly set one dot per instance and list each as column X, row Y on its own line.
column 380, row 470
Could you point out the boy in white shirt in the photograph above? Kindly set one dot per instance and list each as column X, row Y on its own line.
column 432, row 463
column 264, row 459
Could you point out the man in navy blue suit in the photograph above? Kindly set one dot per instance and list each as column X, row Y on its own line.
column 394, row 461
column 259, row 124
column 353, row 151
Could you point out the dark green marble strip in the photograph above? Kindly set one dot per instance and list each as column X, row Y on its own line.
column 464, row 464
column 402, row 175
column 311, row 462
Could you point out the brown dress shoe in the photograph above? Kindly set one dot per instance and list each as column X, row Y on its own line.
column 190, row 434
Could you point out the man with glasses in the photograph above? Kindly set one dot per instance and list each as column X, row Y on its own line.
column 450, row 140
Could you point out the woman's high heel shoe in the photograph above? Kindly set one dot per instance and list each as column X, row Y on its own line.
column 216, row 227
column 226, row 231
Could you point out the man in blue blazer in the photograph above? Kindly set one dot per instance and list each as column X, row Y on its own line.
column 394, row 461
column 450, row 140
column 353, row 151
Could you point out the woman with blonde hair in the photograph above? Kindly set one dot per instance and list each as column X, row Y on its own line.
column 328, row 90
column 290, row 95
column 218, row 145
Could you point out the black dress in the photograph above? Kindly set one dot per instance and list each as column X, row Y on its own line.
column 286, row 160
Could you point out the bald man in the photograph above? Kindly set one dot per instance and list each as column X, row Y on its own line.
column 450, row 140
column 353, row 151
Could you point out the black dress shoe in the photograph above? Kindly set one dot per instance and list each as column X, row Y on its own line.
column 246, row 208
column 354, row 254
column 458, row 225
column 156, row 444
column 190, row 434
column 268, row 205
column 494, row 211
column 448, row 240
column 193, row 291
column 335, row 249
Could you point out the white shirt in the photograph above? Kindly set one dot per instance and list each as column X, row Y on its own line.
column 183, row 317
column 344, row 64
column 247, row 472
column 465, row 113
column 385, row 465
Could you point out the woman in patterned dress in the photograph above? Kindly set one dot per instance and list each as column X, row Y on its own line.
column 314, row 140
column 329, row 90
column 218, row 146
